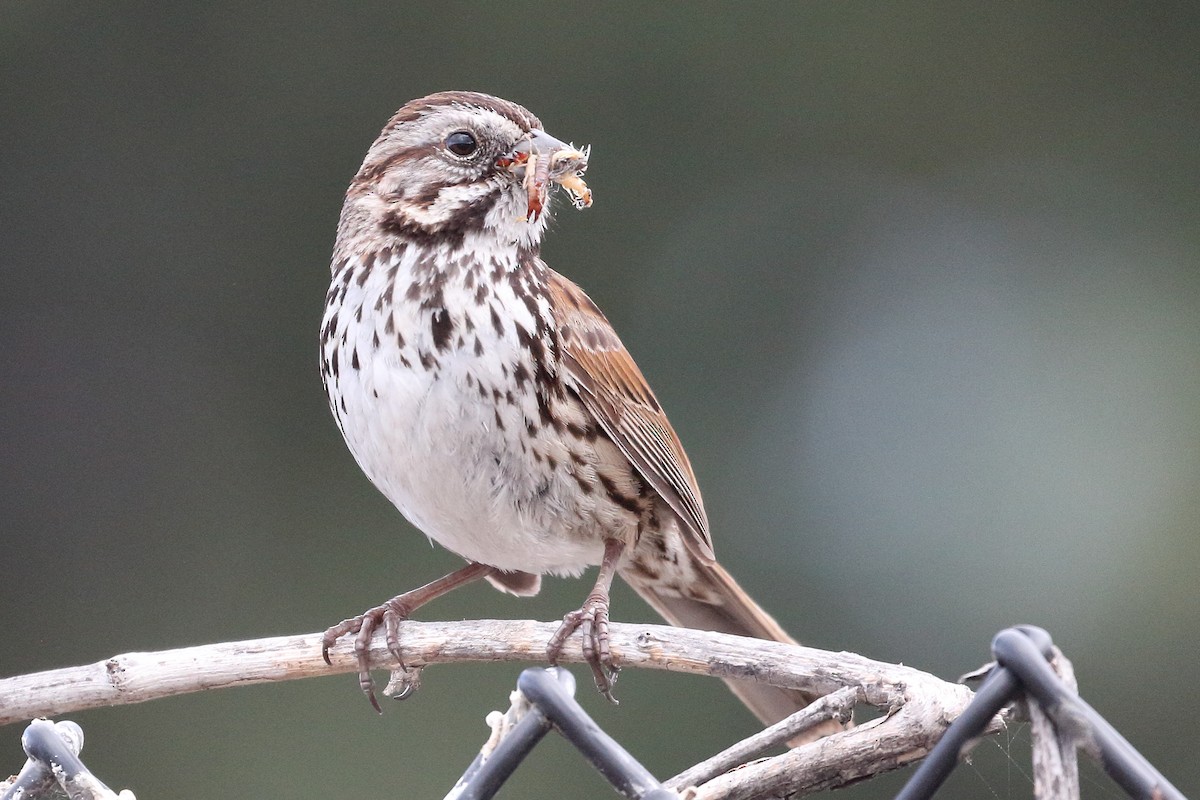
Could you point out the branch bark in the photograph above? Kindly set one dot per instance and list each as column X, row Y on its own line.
column 918, row 706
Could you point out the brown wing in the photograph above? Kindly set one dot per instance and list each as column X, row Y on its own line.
column 614, row 391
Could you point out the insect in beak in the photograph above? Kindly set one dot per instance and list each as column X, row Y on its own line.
column 547, row 161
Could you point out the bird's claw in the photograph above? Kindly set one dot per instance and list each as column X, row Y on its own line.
column 592, row 622
column 391, row 614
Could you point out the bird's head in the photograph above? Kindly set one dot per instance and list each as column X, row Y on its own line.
column 457, row 163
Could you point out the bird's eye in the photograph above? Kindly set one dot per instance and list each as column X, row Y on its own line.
column 461, row 143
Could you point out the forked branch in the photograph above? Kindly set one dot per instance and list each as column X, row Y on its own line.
column 919, row 706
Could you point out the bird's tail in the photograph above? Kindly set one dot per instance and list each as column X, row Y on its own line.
column 733, row 612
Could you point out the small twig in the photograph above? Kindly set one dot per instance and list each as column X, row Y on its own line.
column 838, row 705
column 1055, row 760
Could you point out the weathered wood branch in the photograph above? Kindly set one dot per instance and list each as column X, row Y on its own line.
column 919, row 706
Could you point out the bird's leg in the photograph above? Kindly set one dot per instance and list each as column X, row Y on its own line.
column 391, row 614
column 592, row 619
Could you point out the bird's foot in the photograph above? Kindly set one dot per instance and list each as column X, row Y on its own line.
column 592, row 622
column 390, row 614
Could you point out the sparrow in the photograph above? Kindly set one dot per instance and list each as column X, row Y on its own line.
column 490, row 400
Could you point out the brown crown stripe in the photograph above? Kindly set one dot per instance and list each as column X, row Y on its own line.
column 417, row 108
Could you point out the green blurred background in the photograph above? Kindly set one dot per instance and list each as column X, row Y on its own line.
column 918, row 284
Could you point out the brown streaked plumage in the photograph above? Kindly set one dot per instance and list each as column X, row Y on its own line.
column 491, row 401
column 615, row 392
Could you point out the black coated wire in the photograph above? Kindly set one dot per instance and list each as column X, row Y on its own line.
column 53, row 764
column 1022, row 656
column 550, row 691
column 1017, row 649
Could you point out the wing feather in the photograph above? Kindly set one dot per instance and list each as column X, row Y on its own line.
column 614, row 390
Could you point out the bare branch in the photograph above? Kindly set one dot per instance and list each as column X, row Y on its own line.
column 838, row 705
column 1055, row 752
column 919, row 705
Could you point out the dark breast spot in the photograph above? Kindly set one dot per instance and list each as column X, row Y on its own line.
column 384, row 301
column 520, row 375
column 441, row 326
column 497, row 323
column 331, row 326
column 531, row 304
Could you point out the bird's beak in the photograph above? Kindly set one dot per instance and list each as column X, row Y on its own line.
column 542, row 143
column 546, row 160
